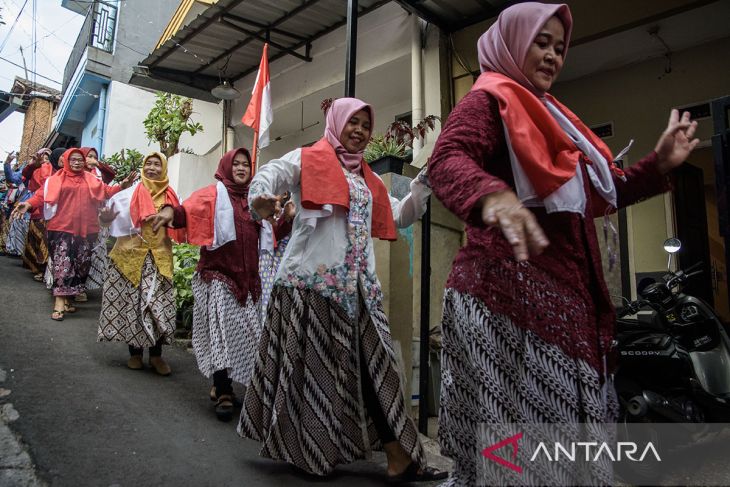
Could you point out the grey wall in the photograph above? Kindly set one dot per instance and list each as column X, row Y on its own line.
column 140, row 25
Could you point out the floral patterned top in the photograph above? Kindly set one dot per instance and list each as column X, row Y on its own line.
column 331, row 250
column 340, row 283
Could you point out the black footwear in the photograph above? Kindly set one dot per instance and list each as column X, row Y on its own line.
column 412, row 474
column 224, row 408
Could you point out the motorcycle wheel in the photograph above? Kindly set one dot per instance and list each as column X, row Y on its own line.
column 649, row 471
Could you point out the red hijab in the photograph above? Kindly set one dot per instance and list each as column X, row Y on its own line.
column 106, row 171
column 78, row 195
column 66, row 176
column 224, row 173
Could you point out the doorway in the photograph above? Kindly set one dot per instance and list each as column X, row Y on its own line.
column 696, row 217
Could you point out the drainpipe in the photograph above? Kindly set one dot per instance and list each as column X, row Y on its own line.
column 102, row 117
column 416, row 78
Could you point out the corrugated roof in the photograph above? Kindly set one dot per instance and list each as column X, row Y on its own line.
column 178, row 18
column 230, row 34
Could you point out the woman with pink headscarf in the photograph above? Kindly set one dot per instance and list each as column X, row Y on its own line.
column 527, row 321
column 325, row 388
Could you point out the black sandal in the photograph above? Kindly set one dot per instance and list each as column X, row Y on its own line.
column 412, row 474
column 224, row 408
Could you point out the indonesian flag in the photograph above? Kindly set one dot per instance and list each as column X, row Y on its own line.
column 259, row 114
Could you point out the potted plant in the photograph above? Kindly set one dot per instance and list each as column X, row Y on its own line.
column 168, row 119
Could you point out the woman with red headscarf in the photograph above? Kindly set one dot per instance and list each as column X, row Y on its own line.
column 138, row 303
column 99, row 260
column 226, row 285
column 35, row 254
column 325, row 389
column 527, row 320
column 70, row 200
column 96, row 167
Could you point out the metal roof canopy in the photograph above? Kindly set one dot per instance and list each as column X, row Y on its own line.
column 226, row 40
column 451, row 16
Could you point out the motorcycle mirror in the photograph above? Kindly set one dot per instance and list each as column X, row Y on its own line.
column 672, row 245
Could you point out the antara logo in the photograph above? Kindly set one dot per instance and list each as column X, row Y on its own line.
column 589, row 451
column 512, row 440
column 594, row 451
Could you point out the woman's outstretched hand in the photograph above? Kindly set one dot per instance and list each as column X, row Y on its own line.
column 107, row 215
column 676, row 143
column 162, row 218
column 129, row 180
column 20, row 210
column 267, row 206
column 518, row 224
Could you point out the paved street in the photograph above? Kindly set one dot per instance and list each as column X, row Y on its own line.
column 84, row 419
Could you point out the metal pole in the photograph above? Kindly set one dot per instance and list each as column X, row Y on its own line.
column 351, row 61
column 425, row 319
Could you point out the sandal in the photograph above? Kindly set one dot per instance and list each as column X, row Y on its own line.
column 38, row 277
column 224, row 408
column 81, row 298
column 57, row 315
column 412, row 474
column 69, row 308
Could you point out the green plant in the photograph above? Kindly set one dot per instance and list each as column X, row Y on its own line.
column 124, row 162
column 185, row 259
column 379, row 147
column 168, row 119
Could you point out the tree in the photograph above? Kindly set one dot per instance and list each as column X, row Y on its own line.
column 168, row 120
column 124, row 162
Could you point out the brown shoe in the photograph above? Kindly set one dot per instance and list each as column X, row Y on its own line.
column 160, row 366
column 135, row 362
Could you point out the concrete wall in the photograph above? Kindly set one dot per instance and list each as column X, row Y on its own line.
column 139, row 26
column 128, row 106
column 188, row 172
column 91, row 135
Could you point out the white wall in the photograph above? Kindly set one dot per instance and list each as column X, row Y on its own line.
column 128, row 106
column 298, row 87
column 188, row 172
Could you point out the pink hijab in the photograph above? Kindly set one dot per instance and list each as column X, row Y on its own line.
column 339, row 113
column 503, row 47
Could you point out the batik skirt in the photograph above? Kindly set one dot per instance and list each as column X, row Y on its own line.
column 494, row 373
column 70, row 261
column 268, row 266
column 225, row 332
column 35, row 254
column 304, row 402
column 17, row 232
column 99, row 261
column 4, row 229
column 140, row 316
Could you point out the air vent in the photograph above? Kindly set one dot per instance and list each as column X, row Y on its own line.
column 698, row 111
column 604, row 130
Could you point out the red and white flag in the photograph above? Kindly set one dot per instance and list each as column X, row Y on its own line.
column 259, row 113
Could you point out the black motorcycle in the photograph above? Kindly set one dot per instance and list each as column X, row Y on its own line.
column 674, row 360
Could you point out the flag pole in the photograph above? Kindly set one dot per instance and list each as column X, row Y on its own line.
column 255, row 150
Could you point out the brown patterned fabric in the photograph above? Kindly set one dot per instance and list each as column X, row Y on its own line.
column 139, row 316
column 304, row 402
column 35, row 255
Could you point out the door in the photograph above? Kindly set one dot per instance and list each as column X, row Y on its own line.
column 691, row 218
